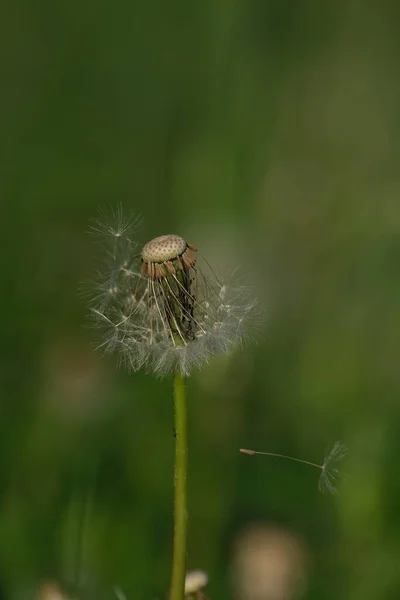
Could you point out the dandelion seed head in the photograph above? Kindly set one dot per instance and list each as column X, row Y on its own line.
column 160, row 311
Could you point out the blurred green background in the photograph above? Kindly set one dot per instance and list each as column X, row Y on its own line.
column 267, row 133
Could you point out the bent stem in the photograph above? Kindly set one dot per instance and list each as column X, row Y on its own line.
column 177, row 590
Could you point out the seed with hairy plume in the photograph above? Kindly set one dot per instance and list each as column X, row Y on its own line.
column 329, row 471
column 159, row 310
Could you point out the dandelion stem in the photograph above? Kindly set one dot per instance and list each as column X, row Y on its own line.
column 177, row 590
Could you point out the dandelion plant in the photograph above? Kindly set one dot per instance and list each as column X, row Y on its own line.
column 161, row 312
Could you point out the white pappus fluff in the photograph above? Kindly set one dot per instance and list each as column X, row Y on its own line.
column 164, row 314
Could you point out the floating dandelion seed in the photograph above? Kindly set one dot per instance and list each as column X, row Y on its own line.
column 158, row 309
column 329, row 472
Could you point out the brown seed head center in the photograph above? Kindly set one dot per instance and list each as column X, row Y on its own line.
column 165, row 255
column 163, row 248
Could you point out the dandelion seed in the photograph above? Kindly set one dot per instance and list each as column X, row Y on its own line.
column 114, row 226
column 329, row 472
column 158, row 309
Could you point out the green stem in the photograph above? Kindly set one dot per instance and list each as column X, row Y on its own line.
column 177, row 590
